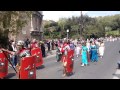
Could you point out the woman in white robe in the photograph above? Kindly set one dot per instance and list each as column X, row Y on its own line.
column 101, row 49
column 77, row 49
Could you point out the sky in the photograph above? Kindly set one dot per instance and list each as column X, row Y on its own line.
column 55, row 15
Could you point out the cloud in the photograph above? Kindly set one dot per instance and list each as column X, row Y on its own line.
column 55, row 15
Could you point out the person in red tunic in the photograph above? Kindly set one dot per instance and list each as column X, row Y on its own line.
column 4, row 61
column 21, row 52
column 66, row 48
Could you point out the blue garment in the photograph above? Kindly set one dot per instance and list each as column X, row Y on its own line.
column 94, row 53
column 14, row 60
column 84, row 55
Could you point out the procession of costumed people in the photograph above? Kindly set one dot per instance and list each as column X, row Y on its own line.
column 87, row 50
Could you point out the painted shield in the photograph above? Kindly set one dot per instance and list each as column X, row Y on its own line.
column 3, row 65
column 38, row 53
column 27, row 68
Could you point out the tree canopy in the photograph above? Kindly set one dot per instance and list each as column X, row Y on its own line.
column 12, row 22
column 99, row 26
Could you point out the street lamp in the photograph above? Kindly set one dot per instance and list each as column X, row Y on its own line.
column 67, row 33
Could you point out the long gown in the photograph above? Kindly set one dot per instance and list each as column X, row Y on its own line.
column 101, row 49
column 94, row 53
column 84, row 55
column 77, row 50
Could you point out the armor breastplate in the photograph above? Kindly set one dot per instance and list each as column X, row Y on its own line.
column 25, row 53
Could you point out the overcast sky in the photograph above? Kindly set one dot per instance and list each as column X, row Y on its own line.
column 55, row 15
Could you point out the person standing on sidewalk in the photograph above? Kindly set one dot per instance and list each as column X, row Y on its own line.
column 53, row 45
column 9, row 47
column 27, row 42
column 14, row 57
column 43, row 49
column 48, row 45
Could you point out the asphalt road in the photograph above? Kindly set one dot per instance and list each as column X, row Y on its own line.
column 105, row 68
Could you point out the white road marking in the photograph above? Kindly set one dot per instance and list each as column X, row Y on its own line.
column 115, row 77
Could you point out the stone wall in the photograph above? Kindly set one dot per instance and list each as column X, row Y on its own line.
column 26, row 31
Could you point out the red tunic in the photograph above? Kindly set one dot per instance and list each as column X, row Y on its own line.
column 3, row 64
column 20, row 51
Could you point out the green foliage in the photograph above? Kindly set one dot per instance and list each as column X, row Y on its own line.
column 99, row 26
column 12, row 22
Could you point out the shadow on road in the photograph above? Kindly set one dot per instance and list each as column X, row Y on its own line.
column 10, row 75
column 70, row 74
column 119, row 51
column 41, row 67
column 118, row 75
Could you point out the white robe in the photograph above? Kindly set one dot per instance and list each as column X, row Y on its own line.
column 88, row 46
column 77, row 50
column 101, row 49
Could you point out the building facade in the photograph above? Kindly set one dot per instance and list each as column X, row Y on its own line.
column 33, row 29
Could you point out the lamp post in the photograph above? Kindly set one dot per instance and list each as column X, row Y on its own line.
column 67, row 33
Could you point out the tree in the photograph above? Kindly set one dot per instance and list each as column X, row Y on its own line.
column 62, row 23
column 13, row 21
column 98, row 26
